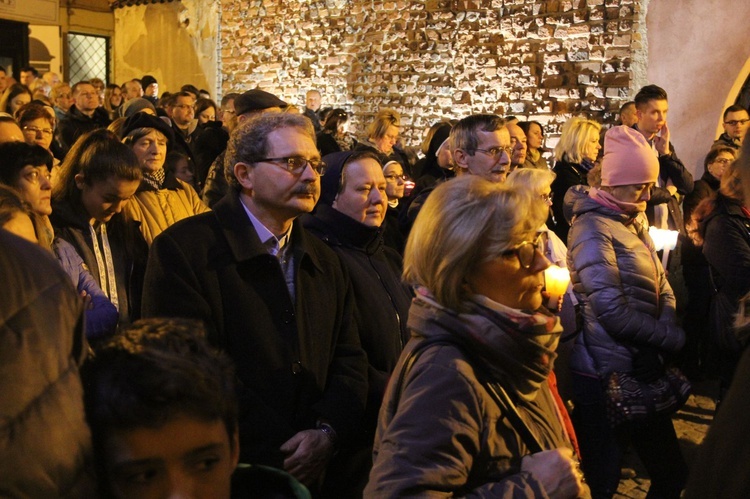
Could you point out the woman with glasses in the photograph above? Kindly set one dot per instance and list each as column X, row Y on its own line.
column 38, row 128
column 695, row 267
column 26, row 168
column 334, row 137
column 629, row 318
column 575, row 155
column 162, row 199
column 478, row 328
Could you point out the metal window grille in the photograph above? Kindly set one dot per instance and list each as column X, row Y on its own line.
column 88, row 57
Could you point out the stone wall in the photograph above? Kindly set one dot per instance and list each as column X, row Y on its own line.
column 438, row 58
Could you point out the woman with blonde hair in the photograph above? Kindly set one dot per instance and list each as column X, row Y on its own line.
column 113, row 100
column 382, row 137
column 468, row 410
column 575, row 155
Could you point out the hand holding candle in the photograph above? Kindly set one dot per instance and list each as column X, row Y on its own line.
column 556, row 281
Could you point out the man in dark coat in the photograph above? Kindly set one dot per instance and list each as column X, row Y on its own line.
column 83, row 116
column 273, row 296
column 735, row 121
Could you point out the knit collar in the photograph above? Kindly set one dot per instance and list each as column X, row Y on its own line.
column 518, row 347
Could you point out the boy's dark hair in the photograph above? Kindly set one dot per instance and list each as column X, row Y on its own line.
column 154, row 371
column 649, row 93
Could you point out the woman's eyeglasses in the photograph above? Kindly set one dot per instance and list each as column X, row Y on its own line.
column 526, row 251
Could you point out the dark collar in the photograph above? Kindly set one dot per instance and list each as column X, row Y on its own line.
column 244, row 242
column 341, row 230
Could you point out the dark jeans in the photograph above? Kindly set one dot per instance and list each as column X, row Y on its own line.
column 655, row 442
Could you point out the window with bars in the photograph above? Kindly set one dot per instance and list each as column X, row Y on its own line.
column 88, row 57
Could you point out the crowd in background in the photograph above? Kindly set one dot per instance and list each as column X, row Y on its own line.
column 338, row 313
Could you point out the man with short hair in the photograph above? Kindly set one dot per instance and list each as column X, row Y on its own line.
column 83, row 116
column 181, row 110
column 132, row 90
column 28, row 75
column 228, row 114
column 628, row 114
column 211, row 142
column 162, row 405
column 736, row 122
column 481, row 146
column 517, row 144
column 663, row 209
column 312, row 106
column 274, row 297
column 246, row 105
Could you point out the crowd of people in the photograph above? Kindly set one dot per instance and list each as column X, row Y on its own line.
column 245, row 299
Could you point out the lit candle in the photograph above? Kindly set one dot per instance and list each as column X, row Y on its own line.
column 663, row 239
column 556, row 281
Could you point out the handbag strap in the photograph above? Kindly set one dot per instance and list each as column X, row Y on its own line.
column 494, row 388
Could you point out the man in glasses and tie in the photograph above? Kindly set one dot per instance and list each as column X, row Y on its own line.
column 274, row 297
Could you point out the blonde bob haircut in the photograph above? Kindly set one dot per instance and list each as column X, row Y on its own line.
column 576, row 133
column 536, row 180
column 463, row 224
column 379, row 125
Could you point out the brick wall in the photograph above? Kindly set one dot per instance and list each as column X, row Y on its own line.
column 437, row 58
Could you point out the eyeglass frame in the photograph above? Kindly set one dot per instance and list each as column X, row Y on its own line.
column 45, row 131
column 506, row 149
column 319, row 169
column 33, row 176
column 396, row 178
column 736, row 122
column 538, row 244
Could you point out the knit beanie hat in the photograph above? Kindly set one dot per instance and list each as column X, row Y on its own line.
column 628, row 158
column 136, row 106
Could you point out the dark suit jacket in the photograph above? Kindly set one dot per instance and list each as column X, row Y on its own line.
column 299, row 362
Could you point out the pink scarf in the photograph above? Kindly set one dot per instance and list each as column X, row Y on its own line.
column 608, row 200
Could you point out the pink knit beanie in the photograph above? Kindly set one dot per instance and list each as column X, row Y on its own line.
column 628, row 158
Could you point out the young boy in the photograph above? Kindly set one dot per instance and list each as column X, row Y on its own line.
column 162, row 408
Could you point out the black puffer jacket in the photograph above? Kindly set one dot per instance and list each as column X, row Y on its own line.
column 75, row 124
column 567, row 175
column 616, row 275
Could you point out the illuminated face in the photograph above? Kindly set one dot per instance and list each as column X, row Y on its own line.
column 394, row 181
column 185, row 457
column 116, row 98
column 718, row 165
column 386, row 142
column 133, row 90
column 208, row 114
column 35, row 188
column 363, row 198
column 64, row 98
column 183, row 172
column 637, row 194
column 152, row 90
column 312, row 101
column 27, row 78
column 16, row 102
column 652, row 116
column 517, row 143
column 736, row 124
column 229, row 115
column 86, row 98
column 10, row 132
column 535, row 138
column 274, row 189
column 183, row 111
column 39, row 132
column 504, row 280
column 151, row 150
column 3, row 81
column 491, row 160
column 592, row 147
column 106, row 198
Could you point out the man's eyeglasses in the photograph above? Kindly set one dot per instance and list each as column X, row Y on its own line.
column 526, row 251
column 35, row 175
column 185, row 106
column 496, row 153
column 736, row 122
column 296, row 164
column 32, row 129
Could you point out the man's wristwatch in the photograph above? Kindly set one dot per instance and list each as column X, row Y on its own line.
column 329, row 431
